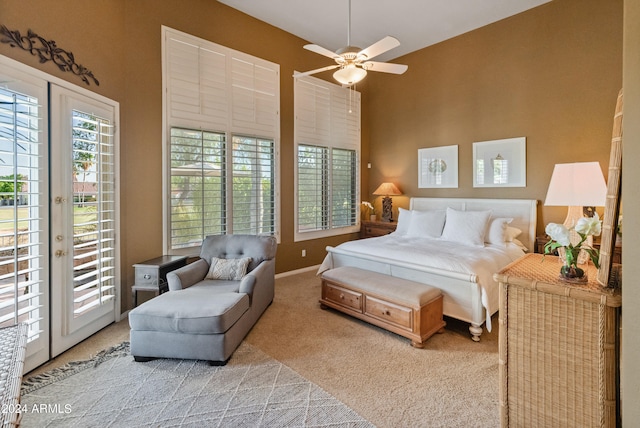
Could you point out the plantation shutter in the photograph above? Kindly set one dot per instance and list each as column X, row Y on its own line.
column 344, row 193
column 253, row 195
column 313, row 186
column 94, row 211
column 214, row 90
column 327, row 136
column 196, row 83
column 313, row 113
column 23, row 195
column 255, row 97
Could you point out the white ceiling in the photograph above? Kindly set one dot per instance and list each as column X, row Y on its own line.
column 416, row 23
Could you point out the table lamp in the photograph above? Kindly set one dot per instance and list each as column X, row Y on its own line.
column 576, row 185
column 386, row 190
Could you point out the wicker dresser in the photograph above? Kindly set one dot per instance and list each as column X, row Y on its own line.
column 13, row 342
column 559, row 348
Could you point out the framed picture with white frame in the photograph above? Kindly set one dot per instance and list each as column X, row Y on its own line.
column 438, row 167
column 500, row 163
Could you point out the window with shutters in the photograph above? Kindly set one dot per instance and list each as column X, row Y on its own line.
column 327, row 139
column 94, row 213
column 23, row 225
column 222, row 141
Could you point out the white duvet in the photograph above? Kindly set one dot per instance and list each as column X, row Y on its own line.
column 481, row 262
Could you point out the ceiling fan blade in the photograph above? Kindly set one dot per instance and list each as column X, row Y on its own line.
column 322, row 51
column 380, row 47
column 317, row 70
column 385, row 67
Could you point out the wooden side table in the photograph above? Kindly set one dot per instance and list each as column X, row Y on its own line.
column 370, row 229
column 559, row 347
column 151, row 275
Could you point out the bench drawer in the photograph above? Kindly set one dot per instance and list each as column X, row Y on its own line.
column 347, row 298
column 389, row 312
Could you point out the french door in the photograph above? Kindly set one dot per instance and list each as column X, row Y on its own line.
column 83, row 217
column 58, row 210
column 24, row 205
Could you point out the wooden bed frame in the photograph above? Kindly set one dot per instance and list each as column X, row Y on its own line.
column 462, row 293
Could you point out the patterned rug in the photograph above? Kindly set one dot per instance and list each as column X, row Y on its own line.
column 111, row 390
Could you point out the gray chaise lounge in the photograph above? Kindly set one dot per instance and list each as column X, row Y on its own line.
column 206, row 319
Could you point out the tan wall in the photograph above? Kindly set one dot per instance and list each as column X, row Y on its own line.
column 65, row 22
column 551, row 74
column 119, row 41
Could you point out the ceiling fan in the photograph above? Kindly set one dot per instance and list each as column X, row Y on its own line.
column 353, row 62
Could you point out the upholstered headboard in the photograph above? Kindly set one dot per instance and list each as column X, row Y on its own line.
column 523, row 212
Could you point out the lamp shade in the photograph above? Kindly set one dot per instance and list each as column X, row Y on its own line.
column 387, row 189
column 349, row 74
column 577, row 184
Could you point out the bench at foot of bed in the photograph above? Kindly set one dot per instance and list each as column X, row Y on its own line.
column 407, row 308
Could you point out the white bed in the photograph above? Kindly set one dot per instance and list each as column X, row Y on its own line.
column 464, row 273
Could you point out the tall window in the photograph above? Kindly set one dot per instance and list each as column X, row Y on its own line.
column 327, row 136
column 223, row 126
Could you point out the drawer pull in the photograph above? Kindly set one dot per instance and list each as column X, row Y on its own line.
column 342, row 296
column 386, row 312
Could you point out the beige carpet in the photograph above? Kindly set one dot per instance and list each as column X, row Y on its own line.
column 452, row 382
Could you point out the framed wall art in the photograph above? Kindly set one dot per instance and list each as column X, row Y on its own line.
column 500, row 163
column 438, row 167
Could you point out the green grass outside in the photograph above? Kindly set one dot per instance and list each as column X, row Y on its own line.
column 7, row 216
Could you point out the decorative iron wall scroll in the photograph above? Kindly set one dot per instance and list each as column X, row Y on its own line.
column 46, row 50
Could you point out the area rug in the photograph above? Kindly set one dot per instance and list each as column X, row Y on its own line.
column 112, row 390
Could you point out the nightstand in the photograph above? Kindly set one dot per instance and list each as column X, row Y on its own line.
column 559, row 347
column 370, row 229
column 151, row 275
column 617, row 249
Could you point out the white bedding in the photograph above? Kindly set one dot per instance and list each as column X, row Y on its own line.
column 481, row 262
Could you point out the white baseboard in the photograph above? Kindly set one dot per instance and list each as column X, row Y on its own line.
column 297, row 271
column 124, row 315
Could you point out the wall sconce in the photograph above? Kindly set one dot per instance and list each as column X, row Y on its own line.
column 386, row 190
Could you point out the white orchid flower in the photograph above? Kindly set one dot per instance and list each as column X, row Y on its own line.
column 368, row 205
column 589, row 225
column 558, row 233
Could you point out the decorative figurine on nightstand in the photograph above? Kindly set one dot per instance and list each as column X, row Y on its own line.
column 570, row 253
column 386, row 190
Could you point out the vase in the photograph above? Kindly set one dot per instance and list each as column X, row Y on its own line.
column 574, row 270
column 373, row 217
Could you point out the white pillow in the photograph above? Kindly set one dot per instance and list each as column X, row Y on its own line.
column 404, row 219
column 518, row 244
column 427, row 224
column 466, row 227
column 229, row 269
column 497, row 231
column 512, row 233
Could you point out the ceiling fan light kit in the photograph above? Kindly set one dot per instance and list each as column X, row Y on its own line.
column 353, row 62
column 350, row 75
